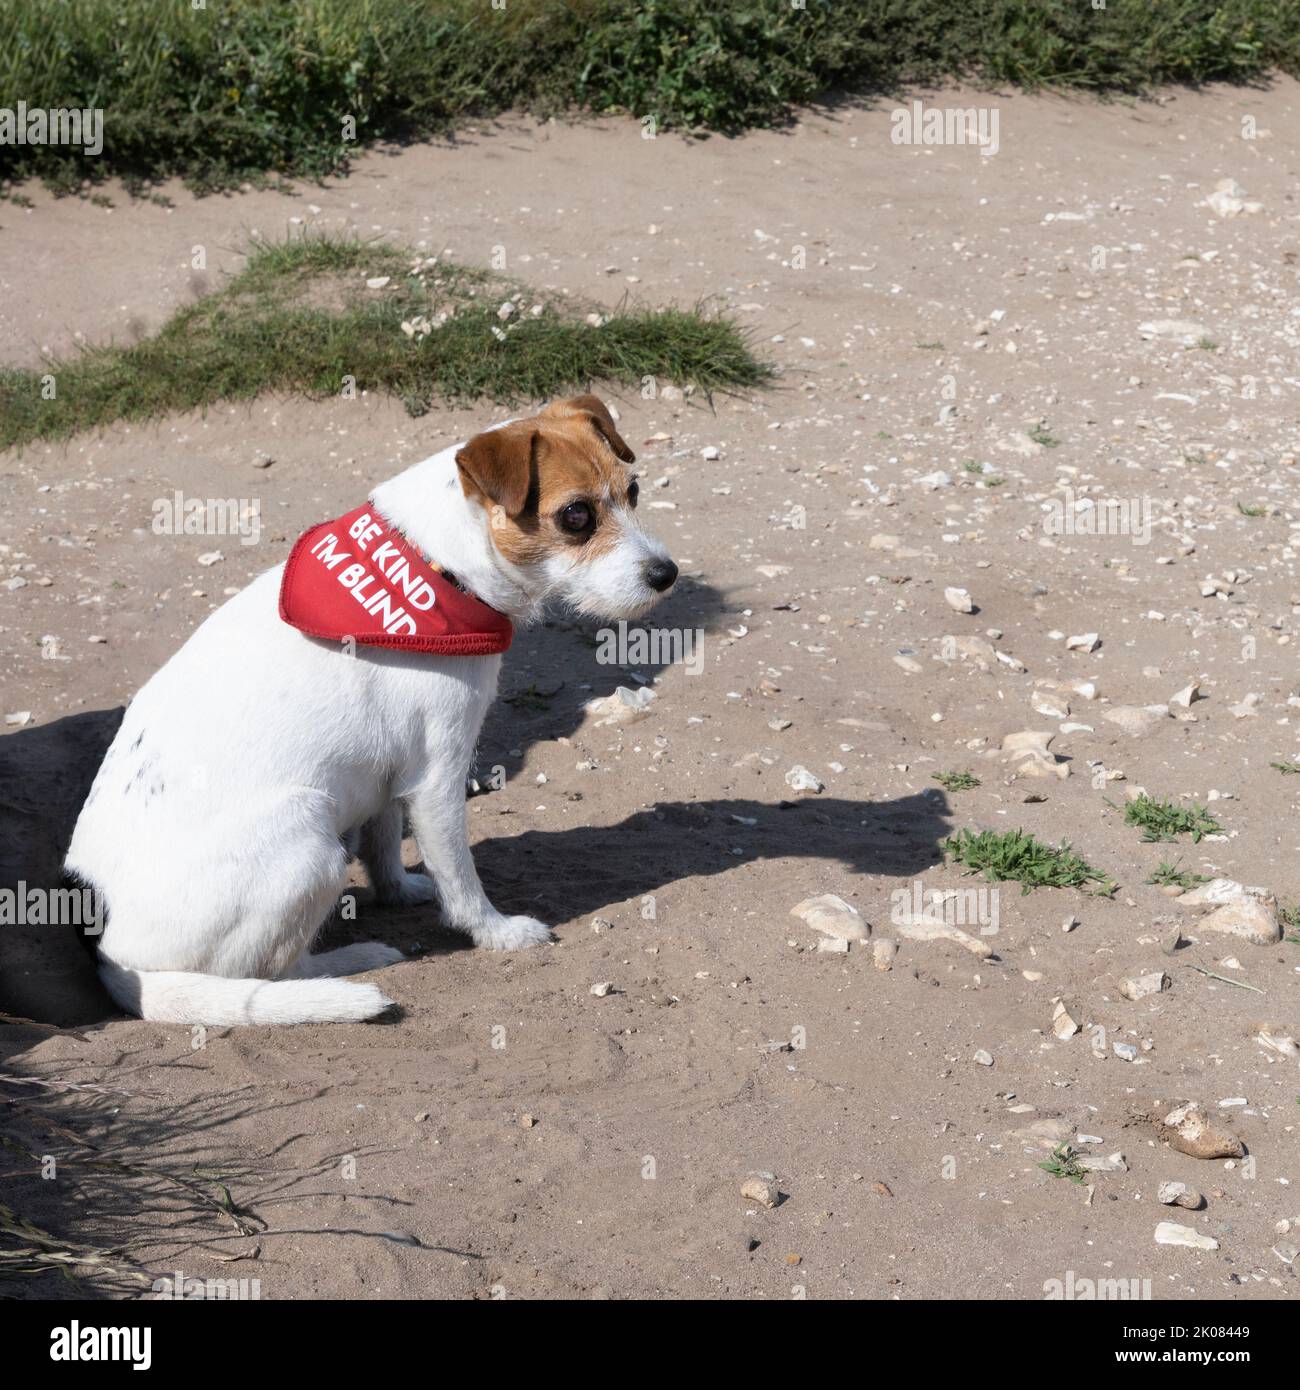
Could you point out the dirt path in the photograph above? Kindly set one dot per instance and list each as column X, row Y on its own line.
column 951, row 311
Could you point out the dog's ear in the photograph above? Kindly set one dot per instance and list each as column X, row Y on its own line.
column 598, row 412
column 501, row 465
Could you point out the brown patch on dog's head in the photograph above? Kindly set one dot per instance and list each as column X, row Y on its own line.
column 538, row 478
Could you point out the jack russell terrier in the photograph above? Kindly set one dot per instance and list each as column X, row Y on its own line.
column 293, row 727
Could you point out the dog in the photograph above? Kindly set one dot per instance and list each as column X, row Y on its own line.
column 260, row 759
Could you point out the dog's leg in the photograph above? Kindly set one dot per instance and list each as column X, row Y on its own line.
column 346, row 960
column 380, row 850
column 438, row 819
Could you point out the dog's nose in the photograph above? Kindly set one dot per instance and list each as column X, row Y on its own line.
column 661, row 575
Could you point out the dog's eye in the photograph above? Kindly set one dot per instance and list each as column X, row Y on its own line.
column 633, row 492
column 576, row 518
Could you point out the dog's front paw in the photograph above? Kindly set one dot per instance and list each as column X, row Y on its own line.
column 512, row 934
column 408, row 891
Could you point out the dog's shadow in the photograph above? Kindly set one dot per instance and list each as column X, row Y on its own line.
column 562, row 874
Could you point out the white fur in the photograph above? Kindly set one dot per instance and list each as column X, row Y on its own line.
column 219, row 827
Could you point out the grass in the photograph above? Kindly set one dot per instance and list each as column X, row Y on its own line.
column 956, row 781
column 1170, row 875
column 300, row 319
column 1163, row 820
column 1015, row 855
column 1040, row 435
column 1064, row 1163
column 221, row 92
column 1286, row 768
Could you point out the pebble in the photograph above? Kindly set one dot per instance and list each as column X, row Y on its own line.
column 1188, row 1129
column 981, row 1058
column 1137, row 987
column 799, row 779
column 1170, row 1233
column 883, row 952
column 602, row 989
column 1178, row 1194
column 761, row 1190
column 832, row 916
column 959, row 600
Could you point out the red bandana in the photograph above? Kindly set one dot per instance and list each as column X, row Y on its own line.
column 357, row 577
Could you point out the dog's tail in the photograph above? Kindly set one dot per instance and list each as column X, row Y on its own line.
column 175, row 996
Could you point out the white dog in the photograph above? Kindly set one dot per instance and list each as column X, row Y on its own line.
column 245, row 773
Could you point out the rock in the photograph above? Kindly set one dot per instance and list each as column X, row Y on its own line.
column 960, row 600
column 1185, row 698
column 833, row 945
column 1095, row 1163
column 981, row 1058
column 601, row 990
column 760, row 1190
column 1220, row 890
column 377, row 282
column 1018, row 442
column 832, row 916
column 1253, row 919
column 883, row 952
column 1086, row 642
column 926, row 928
column 624, row 706
column 1229, row 200
column 1275, row 1037
column 1063, row 1025
column 909, row 664
column 1029, row 750
column 799, row 779
column 1137, row 987
column 1137, row 720
column 1125, row 1051
column 1178, row 1194
column 1170, row 1233
column 710, row 452
column 1182, row 331
column 1187, row 1128
column 1050, row 706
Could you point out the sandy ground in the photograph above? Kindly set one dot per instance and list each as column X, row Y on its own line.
column 932, row 310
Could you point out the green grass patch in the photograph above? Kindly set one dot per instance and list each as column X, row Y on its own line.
column 1164, row 820
column 956, row 781
column 1170, row 875
column 231, row 90
column 1015, row 855
column 1064, row 1163
column 300, row 319
column 1286, row 768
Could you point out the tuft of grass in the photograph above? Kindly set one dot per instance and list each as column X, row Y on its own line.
column 1064, row 1163
column 1289, row 915
column 1163, row 820
column 1015, row 855
column 1207, row 345
column 219, row 93
column 1170, row 874
column 1040, row 435
column 1286, row 768
column 956, row 781
column 300, row 319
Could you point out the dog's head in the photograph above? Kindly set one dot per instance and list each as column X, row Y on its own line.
column 561, row 506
